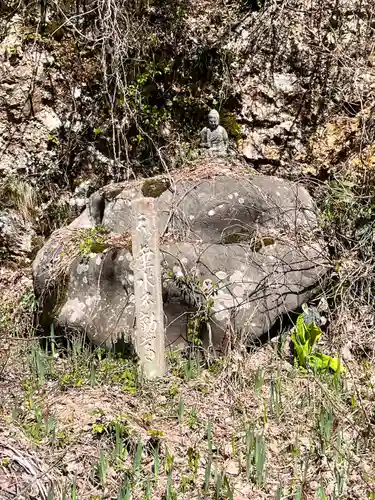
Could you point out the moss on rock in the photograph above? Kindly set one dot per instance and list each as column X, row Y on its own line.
column 153, row 188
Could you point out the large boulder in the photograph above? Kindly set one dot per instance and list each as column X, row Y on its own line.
column 238, row 250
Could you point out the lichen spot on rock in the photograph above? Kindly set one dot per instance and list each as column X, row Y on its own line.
column 239, row 290
column 177, row 271
column 128, row 256
column 241, row 200
column 236, row 277
column 77, row 310
column 221, row 275
column 82, row 268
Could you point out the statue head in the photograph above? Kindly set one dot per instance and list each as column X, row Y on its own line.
column 213, row 119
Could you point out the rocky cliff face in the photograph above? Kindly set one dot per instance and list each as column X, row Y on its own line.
column 31, row 104
column 40, row 185
column 276, row 74
column 297, row 64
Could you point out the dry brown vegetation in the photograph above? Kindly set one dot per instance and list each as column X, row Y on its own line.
column 82, row 424
column 76, row 423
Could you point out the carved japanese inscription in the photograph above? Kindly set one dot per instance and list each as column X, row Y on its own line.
column 149, row 336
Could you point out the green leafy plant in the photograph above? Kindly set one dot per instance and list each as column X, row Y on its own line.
column 223, row 487
column 259, row 380
column 275, row 396
column 118, row 430
column 155, row 434
column 325, row 425
column 230, row 123
column 102, row 468
column 39, row 363
column 118, row 371
column 304, row 336
column 255, row 456
column 35, row 421
column 53, row 139
column 138, row 458
column 193, row 418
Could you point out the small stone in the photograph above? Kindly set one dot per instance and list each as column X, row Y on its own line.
column 232, row 468
column 49, row 119
column 314, row 485
column 227, row 450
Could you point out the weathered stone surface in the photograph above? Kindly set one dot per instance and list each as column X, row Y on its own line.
column 251, row 241
column 17, row 236
column 272, row 74
column 26, row 121
column 252, row 288
column 149, row 332
column 38, row 107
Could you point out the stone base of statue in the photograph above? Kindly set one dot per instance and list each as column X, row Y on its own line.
column 213, row 153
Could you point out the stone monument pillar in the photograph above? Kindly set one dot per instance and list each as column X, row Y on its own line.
column 149, row 336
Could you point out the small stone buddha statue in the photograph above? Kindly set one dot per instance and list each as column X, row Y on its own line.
column 214, row 137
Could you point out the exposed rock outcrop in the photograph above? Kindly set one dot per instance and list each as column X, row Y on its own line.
column 28, row 104
column 17, row 236
column 289, row 73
